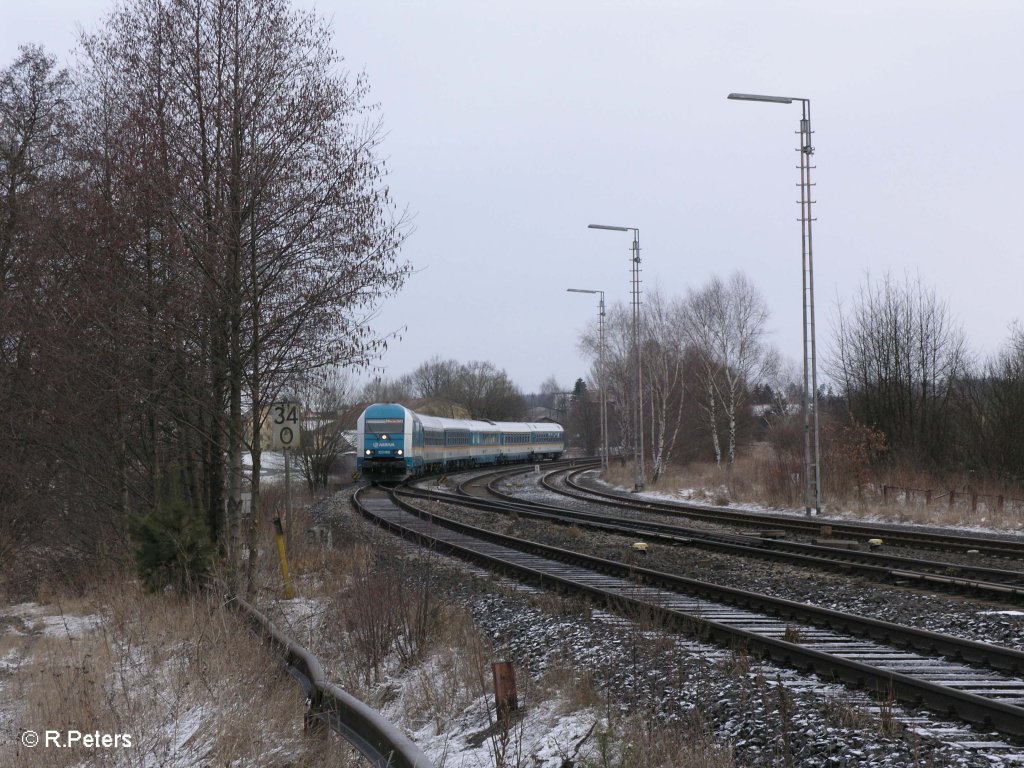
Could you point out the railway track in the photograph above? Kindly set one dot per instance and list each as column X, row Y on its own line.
column 893, row 534
column 1000, row 585
column 977, row 683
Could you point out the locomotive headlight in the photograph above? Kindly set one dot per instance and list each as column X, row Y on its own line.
column 400, row 452
column 369, row 452
column 383, row 437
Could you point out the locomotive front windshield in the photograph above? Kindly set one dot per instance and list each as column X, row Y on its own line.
column 384, row 426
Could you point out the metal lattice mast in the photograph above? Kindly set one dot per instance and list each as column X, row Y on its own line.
column 639, row 482
column 812, row 447
column 604, row 386
column 638, row 421
column 812, row 450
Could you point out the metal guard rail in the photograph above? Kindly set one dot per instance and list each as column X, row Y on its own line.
column 376, row 739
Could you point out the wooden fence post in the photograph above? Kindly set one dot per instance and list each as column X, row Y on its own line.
column 504, row 689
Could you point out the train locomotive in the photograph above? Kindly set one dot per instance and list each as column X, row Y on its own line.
column 394, row 443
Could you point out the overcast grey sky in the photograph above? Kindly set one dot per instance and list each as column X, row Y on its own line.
column 511, row 126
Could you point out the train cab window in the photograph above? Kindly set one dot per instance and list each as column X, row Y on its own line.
column 384, row 426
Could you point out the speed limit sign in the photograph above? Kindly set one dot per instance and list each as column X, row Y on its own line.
column 284, row 426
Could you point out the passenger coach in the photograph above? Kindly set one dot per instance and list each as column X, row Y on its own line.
column 394, row 443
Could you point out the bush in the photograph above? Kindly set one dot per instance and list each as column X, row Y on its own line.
column 172, row 546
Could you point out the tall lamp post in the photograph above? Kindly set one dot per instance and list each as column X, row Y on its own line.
column 639, row 419
column 600, row 373
column 812, row 466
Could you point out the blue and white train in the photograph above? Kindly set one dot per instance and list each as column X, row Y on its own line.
column 394, row 443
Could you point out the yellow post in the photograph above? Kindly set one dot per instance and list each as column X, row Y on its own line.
column 289, row 593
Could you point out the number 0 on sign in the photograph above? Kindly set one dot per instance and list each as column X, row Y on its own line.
column 284, row 426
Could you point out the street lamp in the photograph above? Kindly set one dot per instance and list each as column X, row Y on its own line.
column 812, row 469
column 639, row 419
column 600, row 373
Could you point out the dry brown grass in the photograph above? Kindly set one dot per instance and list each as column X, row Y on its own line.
column 635, row 742
column 184, row 680
column 450, row 671
column 447, row 681
column 191, row 685
column 702, row 482
column 761, row 477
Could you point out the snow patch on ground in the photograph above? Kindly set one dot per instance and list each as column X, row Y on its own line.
column 174, row 734
column 70, row 626
column 182, row 740
column 26, row 619
column 303, row 618
column 540, row 735
column 19, row 623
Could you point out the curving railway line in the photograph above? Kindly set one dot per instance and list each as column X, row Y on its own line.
column 1009, row 547
column 998, row 584
column 978, row 683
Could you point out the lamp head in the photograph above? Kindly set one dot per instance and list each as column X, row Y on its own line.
column 755, row 97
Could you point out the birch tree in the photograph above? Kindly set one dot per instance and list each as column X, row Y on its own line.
column 703, row 313
column 663, row 358
column 725, row 322
column 620, row 371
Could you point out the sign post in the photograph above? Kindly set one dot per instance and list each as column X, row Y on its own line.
column 285, row 432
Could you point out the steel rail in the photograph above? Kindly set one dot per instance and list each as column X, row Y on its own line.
column 969, row 651
column 492, row 477
column 892, row 533
column 970, row 707
column 992, row 584
column 553, row 465
column 998, row 583
column 382, row 743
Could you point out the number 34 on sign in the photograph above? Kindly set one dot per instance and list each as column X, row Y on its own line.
column 284, row 426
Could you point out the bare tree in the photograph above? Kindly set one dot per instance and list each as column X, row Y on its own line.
column 384, row 390
column 663, row 358
column 483, row 389
column 992, row 432
column 898, row 357
column 620, row 371
column 40, row 411
column 323, row 397
column 437, row 378
column 725, row 322
column 260, row 226
column 583, row 418
column 703, row 315
column 489, row 393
